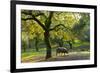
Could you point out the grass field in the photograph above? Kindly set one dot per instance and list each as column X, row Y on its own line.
column 33, row 56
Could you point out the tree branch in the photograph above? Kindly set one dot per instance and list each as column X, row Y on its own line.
column 57, row 26
column 26, row 19
column 41, row 14
column 34, row 18
column 29, row 13
column 48, row 20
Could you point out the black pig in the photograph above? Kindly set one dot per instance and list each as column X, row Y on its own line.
column 61, row 50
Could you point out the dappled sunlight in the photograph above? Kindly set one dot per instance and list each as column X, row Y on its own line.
column 54, row 36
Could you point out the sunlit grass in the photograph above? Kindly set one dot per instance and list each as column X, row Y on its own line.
column 29, row 55
column 33, row 52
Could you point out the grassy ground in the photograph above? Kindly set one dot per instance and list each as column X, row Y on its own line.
column 33, row 56
column 80, row 51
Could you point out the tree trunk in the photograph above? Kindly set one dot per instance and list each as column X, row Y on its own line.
column 27, row 42
column 36, row 44
column 48, row 46
column 70, row 44
column 23, row 46
column 60, row 42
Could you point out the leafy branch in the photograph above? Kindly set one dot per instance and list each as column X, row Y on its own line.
column 33, row 18
column 57, row 27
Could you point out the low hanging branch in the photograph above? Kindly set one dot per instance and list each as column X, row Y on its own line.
column 36, row 15
column 33, row 18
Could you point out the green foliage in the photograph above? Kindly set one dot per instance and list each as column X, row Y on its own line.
column 70, row 27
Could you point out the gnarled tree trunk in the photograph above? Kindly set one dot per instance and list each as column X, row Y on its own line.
column 47, row 42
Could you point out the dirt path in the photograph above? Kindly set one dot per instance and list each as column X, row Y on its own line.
column 33, row 59
column 70, row 56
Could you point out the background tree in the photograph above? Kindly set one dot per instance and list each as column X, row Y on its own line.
column 82, row 29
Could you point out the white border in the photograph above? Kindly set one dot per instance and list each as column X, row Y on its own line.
column 20, row 65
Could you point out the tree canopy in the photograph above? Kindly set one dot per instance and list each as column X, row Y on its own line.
column 63, row 26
